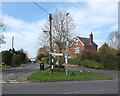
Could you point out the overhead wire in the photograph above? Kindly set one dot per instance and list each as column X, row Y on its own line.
column 40, row 7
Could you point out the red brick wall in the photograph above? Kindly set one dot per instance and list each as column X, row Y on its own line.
column 90, row 48
column 82, row 48
column 72, row 50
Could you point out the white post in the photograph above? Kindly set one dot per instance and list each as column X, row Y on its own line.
column 66, row 61
column 66, row 53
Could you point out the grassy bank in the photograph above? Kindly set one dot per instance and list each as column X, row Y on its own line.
column 46, row 75
column 6, row 66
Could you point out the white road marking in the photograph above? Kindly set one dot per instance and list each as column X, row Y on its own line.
column 10, row 82
column 8, row 75
column 2, row 81
column 13, row 81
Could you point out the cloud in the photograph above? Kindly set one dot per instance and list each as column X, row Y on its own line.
column 97, row 17
column 26, row 34
column 114, row 28
column 12, row 22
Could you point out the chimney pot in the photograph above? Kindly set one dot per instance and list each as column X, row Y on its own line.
column 91, row 38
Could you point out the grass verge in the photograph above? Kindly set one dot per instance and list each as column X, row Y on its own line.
column 6, row 66
column 47, row 76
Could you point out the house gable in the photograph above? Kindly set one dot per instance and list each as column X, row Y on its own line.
column 75, row 41
column 80, row 44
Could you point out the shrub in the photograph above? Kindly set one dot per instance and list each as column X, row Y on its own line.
column 16, row 60
column 7, row 57
column 75, row 61
column 90, row 55
column 91, row 64
column 44, row 60
column 110, row 61
column 61, row 60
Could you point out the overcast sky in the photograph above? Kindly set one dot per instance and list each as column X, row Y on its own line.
column 24, row 21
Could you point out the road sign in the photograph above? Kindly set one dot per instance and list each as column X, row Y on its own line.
column 66, row 54
column 56, row 54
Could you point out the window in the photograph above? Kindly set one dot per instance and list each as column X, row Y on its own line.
column 54, row 50
column 77, row 50
column 77, row 42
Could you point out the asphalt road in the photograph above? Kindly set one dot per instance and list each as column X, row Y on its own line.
column 67, row 87
column 18, row 74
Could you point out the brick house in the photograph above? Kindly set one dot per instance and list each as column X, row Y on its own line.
column 78, row 45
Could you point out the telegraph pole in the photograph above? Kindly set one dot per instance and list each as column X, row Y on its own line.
column 50, row 33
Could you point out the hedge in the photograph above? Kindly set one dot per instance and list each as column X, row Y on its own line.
column 86, row 63
column 7, row 57
column 44, row 60
column 91, row 64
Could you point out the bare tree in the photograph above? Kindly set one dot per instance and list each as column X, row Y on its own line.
column 114, row 40
column 1, row 33
column 62, row 26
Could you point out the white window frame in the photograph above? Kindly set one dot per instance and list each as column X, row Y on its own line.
column 77, row 50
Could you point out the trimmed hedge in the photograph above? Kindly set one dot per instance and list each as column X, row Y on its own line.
column 15, row 58
column 7, row 57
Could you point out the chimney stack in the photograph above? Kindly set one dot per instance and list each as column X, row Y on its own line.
column 91, row 38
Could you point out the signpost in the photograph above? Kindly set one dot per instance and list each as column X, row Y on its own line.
column 56, row 54
column 66, row 61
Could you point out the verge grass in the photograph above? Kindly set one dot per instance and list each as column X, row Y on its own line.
column 7, row 66
column 47, row 76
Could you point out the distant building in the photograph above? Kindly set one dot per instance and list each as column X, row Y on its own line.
column 78, row 45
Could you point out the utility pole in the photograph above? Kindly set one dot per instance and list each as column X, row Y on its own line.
column 50, row 32
column 12, row 43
